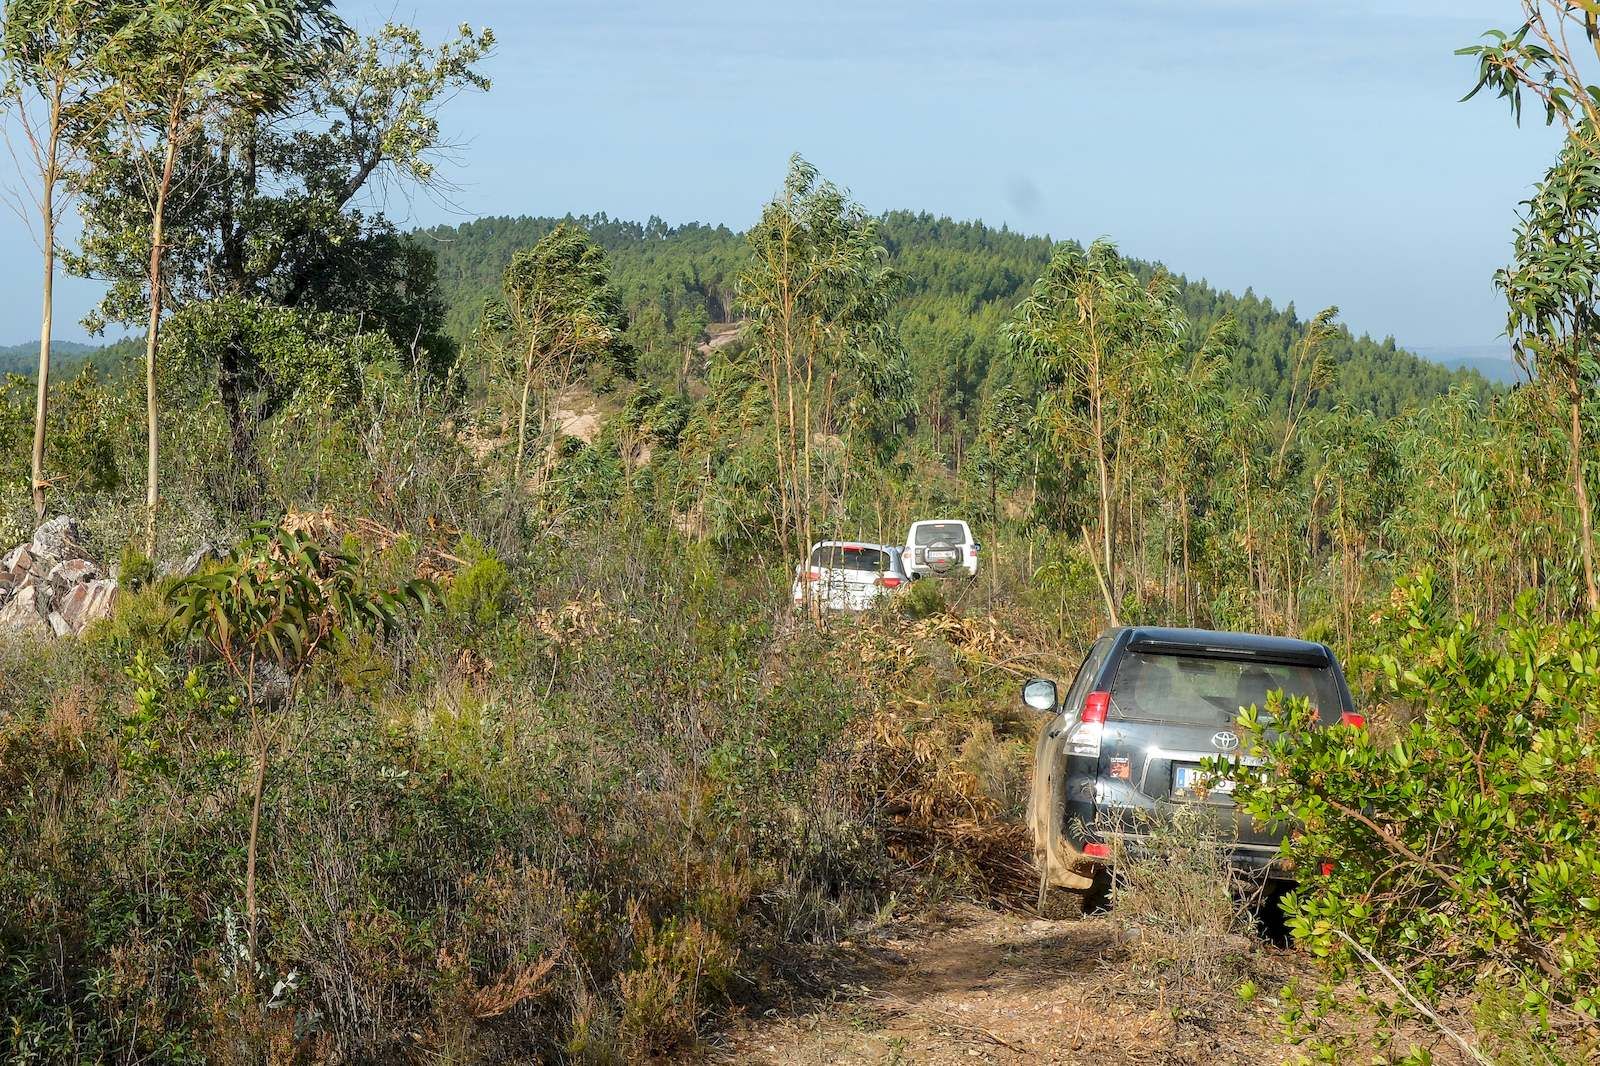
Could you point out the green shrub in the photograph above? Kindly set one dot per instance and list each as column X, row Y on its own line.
column 478, row 595
column 140, row 621
column 924, row 599
column 135, row 569
column 1463, row 827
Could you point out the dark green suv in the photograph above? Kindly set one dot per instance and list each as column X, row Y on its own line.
column 1129, row 739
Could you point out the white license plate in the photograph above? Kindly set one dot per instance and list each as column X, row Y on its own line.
column 1192, row 779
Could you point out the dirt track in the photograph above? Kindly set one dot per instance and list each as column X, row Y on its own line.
column 980, row 986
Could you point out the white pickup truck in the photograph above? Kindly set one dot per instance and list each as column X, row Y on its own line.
column 940, row 546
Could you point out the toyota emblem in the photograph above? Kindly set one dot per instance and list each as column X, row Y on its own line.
column 1224, row 741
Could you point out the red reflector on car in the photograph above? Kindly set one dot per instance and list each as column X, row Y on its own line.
column 1095, row 707
column 1351, row 718
column 1097, row 851
column 1327, row 869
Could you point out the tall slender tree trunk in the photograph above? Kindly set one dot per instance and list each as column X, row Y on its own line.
column 1249, row 533
column 152, row 496
column 994, row 528
column 522, row 427
column 1345, row 613
column 777, row 451
column 1168, row 579
column 1105, row 490
column 1188, row 600
column 257, row 789
column 796, row 518
column 47, row 211
column 1581, row 490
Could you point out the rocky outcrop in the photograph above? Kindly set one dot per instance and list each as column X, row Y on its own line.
column 50, row 587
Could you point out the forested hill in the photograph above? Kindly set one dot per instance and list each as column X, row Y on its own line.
column 24, row 358
column 69, row 357
column 961, row 281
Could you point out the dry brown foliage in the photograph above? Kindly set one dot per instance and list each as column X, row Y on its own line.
column 944, row 756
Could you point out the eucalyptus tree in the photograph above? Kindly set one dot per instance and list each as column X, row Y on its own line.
column 1097, row 336
column 1544, row 57
column 279, row 600
column 1352, row 486
column 1003, row 454
column 1185, row 428
column 172, row 66
column 818, row 293
column 1552, row 288
column 47, row 48
column 273, row 209
column 277, row 206
column 557, row 311
column 1244, row 463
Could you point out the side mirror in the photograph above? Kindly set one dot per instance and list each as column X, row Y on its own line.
column 1040, row 694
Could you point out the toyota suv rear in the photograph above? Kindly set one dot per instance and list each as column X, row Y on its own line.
column 1129, row 739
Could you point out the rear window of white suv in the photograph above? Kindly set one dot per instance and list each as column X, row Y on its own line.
column 851, row 557
column 934, row 532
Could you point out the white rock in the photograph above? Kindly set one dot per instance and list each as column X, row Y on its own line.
column 58, row 539
column 63, row 576
column 21, row 615
column 48, row 586
column 191, row 565
column 17, row 563
column 88, row 603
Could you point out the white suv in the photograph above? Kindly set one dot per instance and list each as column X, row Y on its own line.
column 939, row 546
column 848, row 575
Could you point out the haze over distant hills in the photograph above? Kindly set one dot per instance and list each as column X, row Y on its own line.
column 1493, row 361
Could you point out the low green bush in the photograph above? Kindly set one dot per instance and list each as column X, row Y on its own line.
column 1463, row 828
column 924, row 599
column 479, row 593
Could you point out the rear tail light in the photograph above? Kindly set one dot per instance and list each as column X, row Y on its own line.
column 813, row 575
column 1084, row 737
column 889, row 581
column 1095, row 707
column 1097, row 851
column 1351, row 718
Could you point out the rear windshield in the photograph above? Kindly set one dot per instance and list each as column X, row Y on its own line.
column 851, row 557
column 934, row 532
column 1198, row 691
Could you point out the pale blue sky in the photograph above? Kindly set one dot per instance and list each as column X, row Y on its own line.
column 1314, row 151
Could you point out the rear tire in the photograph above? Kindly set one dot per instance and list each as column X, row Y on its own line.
column 1068, row 904
column 1057, row 903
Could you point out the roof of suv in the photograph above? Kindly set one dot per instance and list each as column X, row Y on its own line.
column 896, row 548
column 1284, row 649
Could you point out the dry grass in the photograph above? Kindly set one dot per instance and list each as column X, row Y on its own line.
column 1186, row 916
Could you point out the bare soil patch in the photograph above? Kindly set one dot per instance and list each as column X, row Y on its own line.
column 975, row 985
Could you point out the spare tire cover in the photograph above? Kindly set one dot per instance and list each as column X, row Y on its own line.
column 941, row 556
